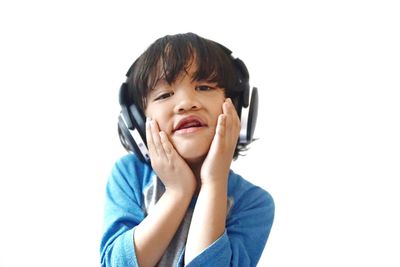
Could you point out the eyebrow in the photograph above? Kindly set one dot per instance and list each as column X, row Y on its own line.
column 160, row 83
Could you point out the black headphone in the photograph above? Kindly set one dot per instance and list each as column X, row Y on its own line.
column 131, row 120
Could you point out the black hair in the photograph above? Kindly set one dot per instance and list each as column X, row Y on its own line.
column 171, row 55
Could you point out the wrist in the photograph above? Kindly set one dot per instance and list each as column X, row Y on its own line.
column 181, row 191
column 215, row 180
column 214, row 185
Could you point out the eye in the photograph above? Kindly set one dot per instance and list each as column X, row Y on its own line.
column 204, row 88
column 164, row 96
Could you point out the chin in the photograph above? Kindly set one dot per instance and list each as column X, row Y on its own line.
column 192, row 148
column 193, row 152
column 193, row 155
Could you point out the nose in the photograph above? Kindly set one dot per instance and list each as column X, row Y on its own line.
column 186, row 101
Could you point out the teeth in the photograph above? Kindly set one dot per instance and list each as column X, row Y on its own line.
column 191, row 124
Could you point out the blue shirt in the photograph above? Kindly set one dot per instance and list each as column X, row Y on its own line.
column 132, row 190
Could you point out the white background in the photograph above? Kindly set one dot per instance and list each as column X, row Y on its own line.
column 328, row 74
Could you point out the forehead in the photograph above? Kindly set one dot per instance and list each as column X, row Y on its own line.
column 163, row 79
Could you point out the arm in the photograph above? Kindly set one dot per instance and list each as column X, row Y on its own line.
column 156, row 231
column 122, row 212
column 247, row 228
column 125, row 221
column 208, row 221
column 213, row 239
column 131, row 239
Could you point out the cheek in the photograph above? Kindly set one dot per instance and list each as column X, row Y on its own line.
column 148, row 111
column 161, row 120
column 154, row 114
column 217, row 110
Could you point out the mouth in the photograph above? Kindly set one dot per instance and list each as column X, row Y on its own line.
column 189, row 124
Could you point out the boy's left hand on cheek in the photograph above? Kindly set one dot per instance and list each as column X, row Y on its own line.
column 217, row 163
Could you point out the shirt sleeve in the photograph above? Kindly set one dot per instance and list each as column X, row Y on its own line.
column 247, row 229
column 122, row 214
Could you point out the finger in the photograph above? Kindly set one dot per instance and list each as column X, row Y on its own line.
column 221, row 126
column 229, row 110
column 168, row 148
column 234, row 122
column 155, row 132
column 149, row 137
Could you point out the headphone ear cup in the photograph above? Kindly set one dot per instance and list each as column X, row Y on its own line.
column 253, row 113
column 124, row 136
column 138, row 121
column 131, row 126
column 132, row 140
column 249, row 119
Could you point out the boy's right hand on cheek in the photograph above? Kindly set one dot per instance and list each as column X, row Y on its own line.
column 166, row 162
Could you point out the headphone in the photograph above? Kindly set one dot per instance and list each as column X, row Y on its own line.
column 131, row 120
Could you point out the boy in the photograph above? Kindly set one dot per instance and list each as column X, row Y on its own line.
column 187, row 207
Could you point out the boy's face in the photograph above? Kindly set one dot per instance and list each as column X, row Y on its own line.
column 187, row 111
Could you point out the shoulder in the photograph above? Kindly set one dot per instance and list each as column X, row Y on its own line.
column 246, row 195
column 130, row 170
column 130, row 164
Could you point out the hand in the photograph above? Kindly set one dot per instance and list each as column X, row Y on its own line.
column 218, row 161
column 166, row 162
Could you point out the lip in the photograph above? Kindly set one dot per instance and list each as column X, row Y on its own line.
column 187, row 120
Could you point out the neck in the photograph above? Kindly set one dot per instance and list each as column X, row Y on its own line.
column 196, row 168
